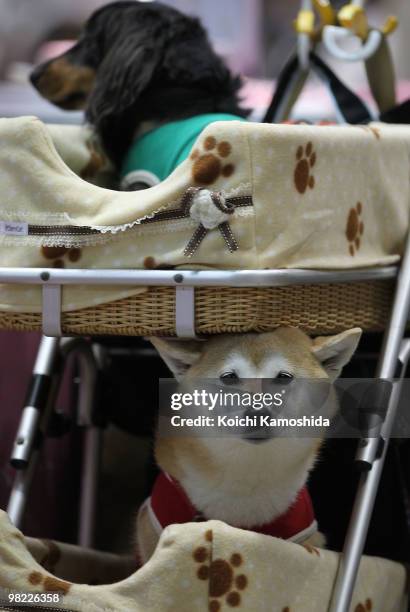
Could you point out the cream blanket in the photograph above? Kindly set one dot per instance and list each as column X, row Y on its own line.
column 301, row 197
column 203, row 567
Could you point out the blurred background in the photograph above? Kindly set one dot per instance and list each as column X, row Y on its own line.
column 254, row 36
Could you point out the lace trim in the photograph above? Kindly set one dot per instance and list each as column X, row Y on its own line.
column 242, row 189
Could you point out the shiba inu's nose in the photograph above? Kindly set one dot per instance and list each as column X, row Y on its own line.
column 257, row 432
column 253, row 385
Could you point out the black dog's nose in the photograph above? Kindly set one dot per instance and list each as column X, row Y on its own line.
column 36, row 74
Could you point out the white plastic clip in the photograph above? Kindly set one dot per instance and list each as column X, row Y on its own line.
column 51, row 310
column 353, row 24
column 332, row 35
column 185, row 312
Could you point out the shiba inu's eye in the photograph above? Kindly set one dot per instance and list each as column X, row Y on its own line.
column 229, row 378
column 283, row 377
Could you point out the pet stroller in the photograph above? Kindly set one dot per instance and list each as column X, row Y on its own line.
column 309, row 229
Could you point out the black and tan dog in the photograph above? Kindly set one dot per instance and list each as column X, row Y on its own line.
column 139, row 64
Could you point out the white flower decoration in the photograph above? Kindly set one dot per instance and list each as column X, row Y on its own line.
column 204, row 210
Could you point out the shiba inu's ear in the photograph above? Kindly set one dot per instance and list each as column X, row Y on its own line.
column 334, row 352
column 179, row 355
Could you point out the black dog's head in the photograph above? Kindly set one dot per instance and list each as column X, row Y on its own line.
column 138, row 61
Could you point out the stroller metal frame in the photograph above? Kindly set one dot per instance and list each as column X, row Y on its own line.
column 35, row 419
column 184, row 282
column 395, row 353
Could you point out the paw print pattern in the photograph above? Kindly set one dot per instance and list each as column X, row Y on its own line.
column 49, row 583
column 56, row 255
column 354, row 228
column 367, row 606
column 96, row 163
column 305, row 160
column 311, row 549
column 150, row 263
column 372, row 130
column 208, row 166
column 51, row 557
column 224, row 581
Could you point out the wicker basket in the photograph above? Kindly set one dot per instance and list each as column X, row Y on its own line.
column 317, row 309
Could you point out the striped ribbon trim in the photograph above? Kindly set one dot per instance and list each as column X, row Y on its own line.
column 227, row 206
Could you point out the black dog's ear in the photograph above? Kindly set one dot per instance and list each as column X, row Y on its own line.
column 123, row 75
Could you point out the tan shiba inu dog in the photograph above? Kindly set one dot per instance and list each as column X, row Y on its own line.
column 253, row 486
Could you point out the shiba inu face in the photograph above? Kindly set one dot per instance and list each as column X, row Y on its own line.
column 233, row 479
column 283, row 353
column 278, row 358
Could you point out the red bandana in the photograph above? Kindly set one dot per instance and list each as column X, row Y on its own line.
column 170, row 504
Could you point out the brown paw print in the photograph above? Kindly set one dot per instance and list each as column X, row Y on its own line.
column 305, row 160
column 364, row 607
column 354, row 228
column 97, row 162
column 49, row 583
column 56, row 254
column 150, row 263
column 222, row 576
column 373, row 130
column 51, row 557
column 311, row 549
column 209, row 166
